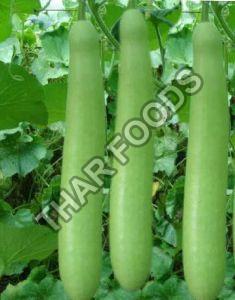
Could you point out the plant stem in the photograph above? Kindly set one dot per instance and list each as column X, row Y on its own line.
column 82, row 10
column 132, row 4
column 205, row 11
column 148, row 11
column 218, row 13
column 103, row 27
column 162, row 51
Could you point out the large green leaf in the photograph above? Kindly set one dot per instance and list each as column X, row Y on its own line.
column 113, row 14
column 55, row 100
column 20, row 154
column 56, row 46
column 21, row 218
column 161, row 263
column 22, row 245
column 179, row 48
column 164, row 19
column 8, row 8
column 21, row 98
column 27, row 7
column 8, row 49
column 230, row 17
column 44, row 70
column 39, row 285
column 175, row 289
column 5, row 20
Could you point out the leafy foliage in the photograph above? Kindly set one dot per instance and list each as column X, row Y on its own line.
column 55, row 100
column 21, row 98
column 34, row 55
column 39, row 285
column 8, row 7
column 21, row 245
column 20, row 153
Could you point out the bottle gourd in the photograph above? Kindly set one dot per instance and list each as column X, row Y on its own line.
column 204, row 223
column 131, row 188
column 80, row 240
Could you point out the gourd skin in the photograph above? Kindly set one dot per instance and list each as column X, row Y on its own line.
column 204, row 224
column 130, row 200
column 80, row 240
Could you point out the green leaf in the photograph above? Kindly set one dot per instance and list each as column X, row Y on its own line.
column 4, row 207
column 51, row 192
column 56, row 46
column 112, row 14
column 230, row 16
column 120, row 294
column 22, row 218
column 44, row 70
column 19, row 155
column 26, row 7
column 152, row 290
column 174, row 199
column 8, row 48
column 105, row 281
column 165, row 152
column 183, row 112
column 21, row 98
column 161, row 263
column 5, row 20
column 170, row 235
column 22, row 245
column 179, row 48
column 176, row 289
column 229, row 287
column 169, row 72
column 106, row 268
column 112, row 87
column 152, row 34
column 8, row 8
column 165, row 19
column 39, row 285
column 55, row 100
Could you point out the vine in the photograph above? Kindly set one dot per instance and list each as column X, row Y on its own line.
column 217, row 9
column 94, row 9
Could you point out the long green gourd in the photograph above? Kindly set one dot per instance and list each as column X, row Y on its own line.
column 130, row 206
column 204, row 223
column 80, row 242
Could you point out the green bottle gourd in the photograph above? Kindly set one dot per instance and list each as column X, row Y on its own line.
column 131, row 188
column 204, row 223
column 80, row 240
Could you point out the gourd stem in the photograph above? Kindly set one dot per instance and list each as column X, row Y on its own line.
column 148, row 10
column 132, row 3
column 205, row 11
column 82, row 10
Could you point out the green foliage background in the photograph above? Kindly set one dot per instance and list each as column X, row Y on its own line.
column 34, row 60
